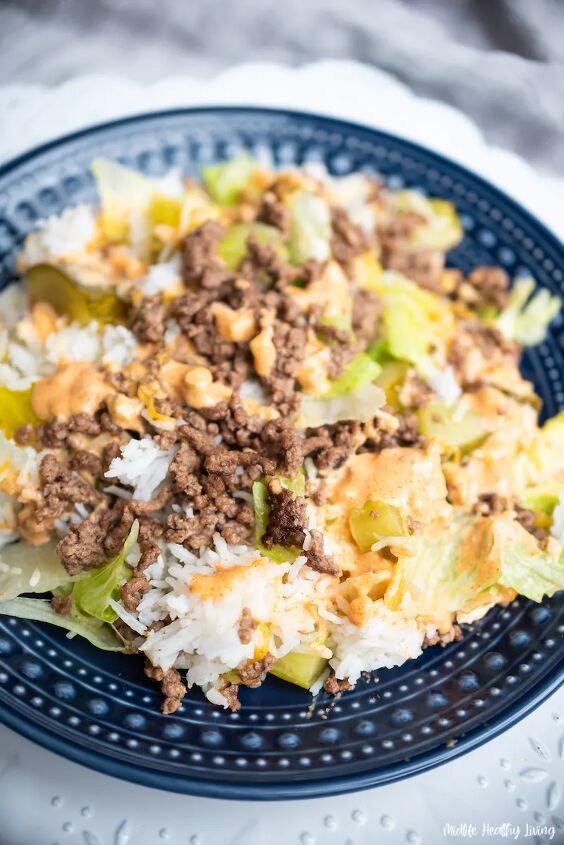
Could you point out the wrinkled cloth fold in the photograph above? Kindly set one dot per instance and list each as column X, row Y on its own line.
column 501, row 62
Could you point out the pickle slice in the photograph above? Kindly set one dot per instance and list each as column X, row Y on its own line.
column 465, row 432
column 81, row 304
column 16, row 410
column 299, row 669
column 374, row 521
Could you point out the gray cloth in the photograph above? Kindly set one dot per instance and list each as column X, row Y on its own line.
column 499, row 61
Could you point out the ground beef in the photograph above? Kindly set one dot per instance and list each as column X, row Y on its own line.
column 365, row 318
column 247, row 624
column 286, row 519
column 83, row 547
column 149, row 321
column 335, row 686
column 85, row 460
column 231, row 694
column 330, row 445
column 60, row 488
column 107, row 424
column 274, row 213
column 251, row 674
column 201, row 264
column 487, row 340
column 454, row 635
column 62, row 604
column 527, row 519
column 133, row 591
column 396, row 232
column 424, row 266
column 53, row 434
column 489, row 504
column 24, row 435
column 84, row 424
column 316, row 557
column 111, row 451
column 484, row 286
column 265, row 265
column 282, row 442
column 348, row 239
column 171, row 687
column 290, row 344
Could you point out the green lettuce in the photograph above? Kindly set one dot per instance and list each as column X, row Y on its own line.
column 527, row 316
column 361, row 405
column 531, row 575
column 310, row 229
column 31, row 569
column 233, row 247
column 359, row 372
column 40, row 610
column 91, row 596
column 225, row 181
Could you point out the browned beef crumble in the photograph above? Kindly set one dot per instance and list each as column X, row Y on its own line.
column 231, row 694
column 247, row 624
column 62, row 604
column 82, row 459
column 61, row 488
column 424, row 266
column 395, row 233
column 527, row 519
column 149, row 321
column 287, row 518
column 171, row 687
column 348, row 239
column 316, row 557
column 415, row 392
column 484, row 286
column 82, row 548
column 454, row 635
column 490, row 503
column 365, row 318
column 24, row 435
column 335, row 686
column 201, row 264
column 252, row 673
column 274, row 213
column 133, row 591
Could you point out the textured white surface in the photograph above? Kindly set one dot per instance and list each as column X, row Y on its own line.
column 514, row 780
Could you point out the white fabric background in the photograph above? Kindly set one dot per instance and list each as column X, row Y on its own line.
column 499, row 61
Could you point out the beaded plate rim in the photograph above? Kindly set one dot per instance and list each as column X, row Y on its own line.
column 208, row 785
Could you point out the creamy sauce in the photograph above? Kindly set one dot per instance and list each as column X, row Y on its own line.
column 234, row 325
column 75, row 387
column 213, row 586
column 332, row 292
column 264, row 351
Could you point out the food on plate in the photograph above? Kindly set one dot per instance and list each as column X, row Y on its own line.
column 256, row 424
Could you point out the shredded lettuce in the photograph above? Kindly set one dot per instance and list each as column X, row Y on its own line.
column 279, row 554
column 531, row 575
column 40, row 610
column 91, row 596
column 233, row 247
column 295, row 485
column 414, row 321
column 527, row 316
column 310, row 229
column 361, row 371
column 225, row 181
column 31, row 569
column 543, row 498
column 361, row 405
column 125, row 196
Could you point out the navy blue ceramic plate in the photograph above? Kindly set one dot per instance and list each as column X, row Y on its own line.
column 100, row 710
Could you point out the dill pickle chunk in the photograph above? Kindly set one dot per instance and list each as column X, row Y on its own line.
column 165, row 211
column 453, row 430
column 233, row 247
column 80, row 303
column 391, row 380
column 16, row 410
column 299, row 669
column 374, row 521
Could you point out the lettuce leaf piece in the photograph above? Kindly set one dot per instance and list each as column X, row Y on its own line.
column 414, row 321
column 40, row 610
column 360, row 405
column 310, row 228
column 225, row 181
column 300, row 669
column 124, row 194
column 542, row 499
column 431, row 583
column 527, row 316
column 295, row 485
column 279, row 554
column 31, row 569
column 233, row 247
column 531, row 575
column 91, row 595
column 361, row 371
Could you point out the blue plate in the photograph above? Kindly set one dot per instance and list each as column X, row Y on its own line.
column 98, row 709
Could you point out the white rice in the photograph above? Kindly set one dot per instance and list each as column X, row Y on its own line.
column 143, row 466
column 161, row 277
column 445, row 385
column 66, row 234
